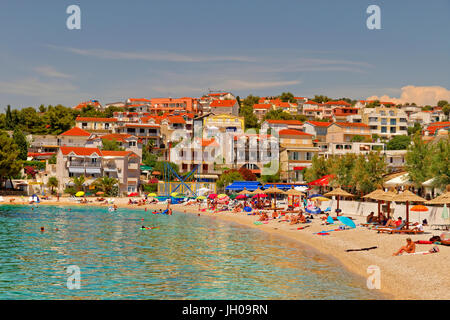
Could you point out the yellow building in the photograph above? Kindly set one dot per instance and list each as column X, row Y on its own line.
column 346, row 131
column 386, row 121
column 214, row 124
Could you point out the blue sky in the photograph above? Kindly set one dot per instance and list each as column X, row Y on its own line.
column 184, row 48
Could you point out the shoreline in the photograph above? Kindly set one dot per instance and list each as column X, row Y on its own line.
column 421, row 277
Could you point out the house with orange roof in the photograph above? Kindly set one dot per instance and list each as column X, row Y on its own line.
column 261, row 109
column 74, row 137
column 296, row 152
column 126, row 141
column 96, row 125
column 94, row 103
column 230, row 107
column 346, row 131
column 93, row 163
column 147, row 132
column 163, row 105
column 318, row 129
column 277, row 125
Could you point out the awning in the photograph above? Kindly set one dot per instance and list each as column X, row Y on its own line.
column 240, row 185
column 93, row 170
column 283, row 186
column 299, row 168
column 76, row 170
column 402, row 180
column 146, row 168
column 208, row 176
column 324, row 181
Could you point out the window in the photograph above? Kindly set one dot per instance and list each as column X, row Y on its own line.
column 393, row 122
column 383, row 121
column 106, row 125
column 309, row 156
column 383, row 129
column 142, row 131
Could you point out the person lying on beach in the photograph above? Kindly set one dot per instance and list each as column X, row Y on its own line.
column 264, row 217
column 393, row 224
column 409, row 248
column 302, row 218
column 325, row 217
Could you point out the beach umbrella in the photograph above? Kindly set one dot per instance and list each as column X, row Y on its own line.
column 257, row 191
column 201, row 197
column 338, row 192
column 293, row 192
column 212, row 196
column 445, row 215
column 442, row 199
column 419, row 208
column 222, row 195
column 261, row 195
column 407, row 196
column 241, row 196
column 315, row 196
column 245, row 192
column 152, row 194
column 375, row 195
column 79, row 194
column 320, row 199
column 274, row 190
column 100, row 193
column 133, row 194
column 389, row 197
column 347, row 221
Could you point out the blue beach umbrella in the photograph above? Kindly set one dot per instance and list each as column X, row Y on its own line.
column 347, row 221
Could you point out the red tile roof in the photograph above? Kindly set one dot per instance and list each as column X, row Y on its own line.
column 81, row 151
column 339, row 103
column 352, row 124
column 294, row 122
column 76, row 132
column 109, row 153
column 262, row 106
column 291, row 132
column 222, row 103
column 319, row 123
column 116, row 136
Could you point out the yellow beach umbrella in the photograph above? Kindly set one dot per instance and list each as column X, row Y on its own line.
column 79, row 194
column 152, row 194
column 222, row 195
column 174, row 194
column 201, row 197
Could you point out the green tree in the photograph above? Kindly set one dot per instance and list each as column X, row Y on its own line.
column 440, row 164
column 398, row 143
column 79, row 182
column 418, row 159
column 9, row 119
column 412, row 130
column 287, row 97
column 106, row 185
column 22, row 144
column 318, row 169
column 427, row 108
column 10, row 166
column 111, row 145
column 227, row 177
column 59, row 119
column 369, row 171
column 442, row 103
column 52, row 183
column 357, row 138
column 342, row 168
column 277, row 114
column 321, row 99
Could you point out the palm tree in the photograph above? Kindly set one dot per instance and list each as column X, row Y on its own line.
column 78, row 182
column 106, row 184
column 52, row 183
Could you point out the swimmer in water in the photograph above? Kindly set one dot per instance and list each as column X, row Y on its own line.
column 42, row 229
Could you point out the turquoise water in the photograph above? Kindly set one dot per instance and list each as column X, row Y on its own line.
column 188, row 257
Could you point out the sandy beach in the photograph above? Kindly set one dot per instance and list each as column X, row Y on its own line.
column 402, row 277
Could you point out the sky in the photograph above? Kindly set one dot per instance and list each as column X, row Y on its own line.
column 149, row 49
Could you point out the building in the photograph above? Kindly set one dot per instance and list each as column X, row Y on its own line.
column 347, row 131
column 93, row 103
column 261, row 109
column 230, row 107
column 168, row 105
column 74, row 137
column 277, row 125
column 94, row 163
column 126, row 141
column 250, row 151
column 332, row 149
column 345, row 114
column 96, row 125
column 213, row 124
column 147, row 132
column 318, row 129
column 296, row 153
column 386, row 121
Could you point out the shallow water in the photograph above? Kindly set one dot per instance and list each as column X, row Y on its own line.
column 187, row 257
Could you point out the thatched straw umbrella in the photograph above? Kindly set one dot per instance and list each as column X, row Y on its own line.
column 274, row 190
column 293, row 192
column 442, row 199
column 388, row 197
column 376, row 195
column 338, row 192
column 258, row 191
column 407, row 196
column 245, row 192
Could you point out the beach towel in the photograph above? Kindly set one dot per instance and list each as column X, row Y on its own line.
column 432, row 250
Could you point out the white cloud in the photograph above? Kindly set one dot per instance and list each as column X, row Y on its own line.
column 426, row 95
column 152, row 56
column 51, row 72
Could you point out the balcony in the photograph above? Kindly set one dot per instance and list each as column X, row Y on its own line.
column 83, row 164
column 133, row 166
